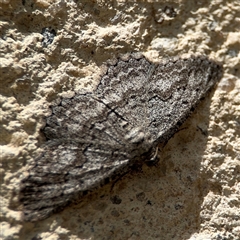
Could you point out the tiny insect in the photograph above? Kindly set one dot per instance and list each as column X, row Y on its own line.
column 96, row 136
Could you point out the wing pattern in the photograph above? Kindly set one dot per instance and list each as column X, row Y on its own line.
column 95, row 136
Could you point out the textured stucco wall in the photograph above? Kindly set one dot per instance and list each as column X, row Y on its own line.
column 194, row 191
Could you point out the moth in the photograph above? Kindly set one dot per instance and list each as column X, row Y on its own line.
column 96, row 136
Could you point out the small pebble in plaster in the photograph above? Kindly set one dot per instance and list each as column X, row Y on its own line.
column 164, row 14
column 48, row 36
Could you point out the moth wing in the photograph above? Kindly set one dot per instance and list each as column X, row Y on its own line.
column 87, row 140
column 86, row 146
column 175, row 89
column 64, row 171
column 125, row 88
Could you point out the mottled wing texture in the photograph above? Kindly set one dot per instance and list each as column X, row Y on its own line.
column 97, row 136
column 176, row 87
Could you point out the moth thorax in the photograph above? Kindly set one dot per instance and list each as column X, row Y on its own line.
column 135, row 135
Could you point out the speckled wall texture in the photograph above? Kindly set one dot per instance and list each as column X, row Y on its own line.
column 50, row 49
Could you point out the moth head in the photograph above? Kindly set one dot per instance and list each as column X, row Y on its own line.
column 141, row 145
column 135, row 136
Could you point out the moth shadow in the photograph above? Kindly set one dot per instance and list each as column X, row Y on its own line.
column 158, row 202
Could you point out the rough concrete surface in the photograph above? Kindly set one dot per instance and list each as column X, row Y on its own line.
column 49, row 49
